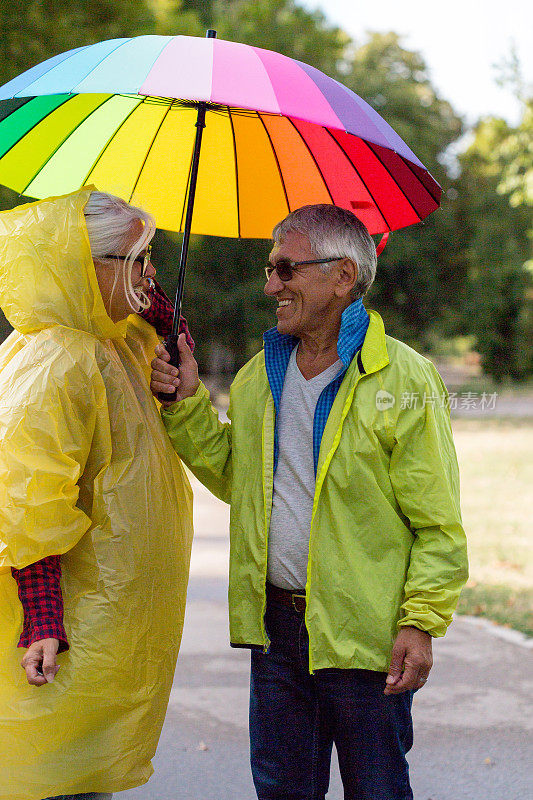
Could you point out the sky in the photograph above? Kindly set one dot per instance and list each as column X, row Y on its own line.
column 460, row 40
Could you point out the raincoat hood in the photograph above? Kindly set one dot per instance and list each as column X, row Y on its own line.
column 47, row 275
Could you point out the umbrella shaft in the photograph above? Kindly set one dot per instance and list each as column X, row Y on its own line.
column 200, row 125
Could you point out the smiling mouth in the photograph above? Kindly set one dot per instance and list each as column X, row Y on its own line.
column 282, row 303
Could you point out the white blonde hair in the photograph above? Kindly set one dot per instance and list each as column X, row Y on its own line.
column 109, row 221
column 332, row 232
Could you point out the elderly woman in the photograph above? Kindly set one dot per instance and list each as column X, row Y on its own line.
column 90, row 491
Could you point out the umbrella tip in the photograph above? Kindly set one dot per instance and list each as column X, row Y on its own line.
column 211, row 34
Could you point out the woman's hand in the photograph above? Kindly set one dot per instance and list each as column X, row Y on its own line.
column 166, row 378
column 40, row 662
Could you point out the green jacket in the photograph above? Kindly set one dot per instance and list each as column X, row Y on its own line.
column 387, row 547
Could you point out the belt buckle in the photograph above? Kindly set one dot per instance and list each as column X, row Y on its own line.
column 295, row 604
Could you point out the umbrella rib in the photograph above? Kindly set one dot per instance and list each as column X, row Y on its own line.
column 19, row 103
column 409, row 166
column 99, row 63
column 104, row 148
column 277, row 162
column 339, row 145
column 236, row 173
column 154, row 137
column 62, row 142
column 314, row 160
column 76, row 52
column 25, row 133
column 393, row 178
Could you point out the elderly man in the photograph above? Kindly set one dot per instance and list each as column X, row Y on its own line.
column 347, row 549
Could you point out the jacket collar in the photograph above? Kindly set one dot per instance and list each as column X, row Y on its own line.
column 374, row 355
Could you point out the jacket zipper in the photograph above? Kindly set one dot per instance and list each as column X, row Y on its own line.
column 268, row 460
column 318, row 489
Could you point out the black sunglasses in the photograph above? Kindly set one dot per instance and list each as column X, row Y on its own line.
column 143, row 260
column 285, row 268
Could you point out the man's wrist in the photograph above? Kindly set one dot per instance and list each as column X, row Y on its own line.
column 192, row 391
column 182, row 405
column 414, row 627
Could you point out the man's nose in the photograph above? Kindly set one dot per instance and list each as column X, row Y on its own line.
column 274, row 284
column 150, row 270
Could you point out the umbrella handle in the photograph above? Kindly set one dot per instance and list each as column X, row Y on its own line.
column 171, row 346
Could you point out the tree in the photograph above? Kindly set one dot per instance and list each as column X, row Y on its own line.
column 175, row 17
column 224, row 302
column 496, row 219
column 395, row 81
column 515, row 154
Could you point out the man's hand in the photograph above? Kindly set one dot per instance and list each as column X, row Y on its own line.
column 411, row 661
column 40, row 663
column 166, row 378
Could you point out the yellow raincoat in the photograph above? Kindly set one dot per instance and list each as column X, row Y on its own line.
column 86, row 471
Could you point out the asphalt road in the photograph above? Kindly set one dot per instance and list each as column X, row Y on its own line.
column 473, row 719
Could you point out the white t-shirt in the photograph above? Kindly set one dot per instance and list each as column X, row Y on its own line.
column 294, row 481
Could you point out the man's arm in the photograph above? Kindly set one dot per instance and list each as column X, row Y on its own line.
column 425, row 478
column 193, row 426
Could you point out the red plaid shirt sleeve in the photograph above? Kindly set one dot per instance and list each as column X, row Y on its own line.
column 39, row 590
column 160, row 314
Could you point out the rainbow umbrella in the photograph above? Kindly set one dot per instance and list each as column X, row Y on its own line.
column 128, row 115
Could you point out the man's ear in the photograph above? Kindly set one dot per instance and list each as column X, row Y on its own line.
column 347, row 277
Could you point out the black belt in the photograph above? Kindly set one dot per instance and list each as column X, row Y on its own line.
column 294, row 599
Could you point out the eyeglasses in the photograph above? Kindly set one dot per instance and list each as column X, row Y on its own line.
column 285, row 268
column 142, row 260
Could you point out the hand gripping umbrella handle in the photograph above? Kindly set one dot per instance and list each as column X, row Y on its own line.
column 171, row 346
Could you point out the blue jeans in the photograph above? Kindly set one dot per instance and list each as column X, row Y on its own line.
column 295, row 717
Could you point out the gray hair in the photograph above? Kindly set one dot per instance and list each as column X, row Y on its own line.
column 334, row 231
column 109, row 220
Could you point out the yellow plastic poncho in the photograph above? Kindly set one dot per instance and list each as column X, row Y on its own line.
column 86, row 471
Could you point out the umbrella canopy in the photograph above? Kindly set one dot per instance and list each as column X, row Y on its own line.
column 279, row 134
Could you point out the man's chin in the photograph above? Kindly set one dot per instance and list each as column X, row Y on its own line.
column 284, row 328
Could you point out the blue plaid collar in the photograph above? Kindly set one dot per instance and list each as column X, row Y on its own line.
column 354, row 325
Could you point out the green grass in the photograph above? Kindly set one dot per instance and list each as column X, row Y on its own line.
column 508, row 607
column 496, row 493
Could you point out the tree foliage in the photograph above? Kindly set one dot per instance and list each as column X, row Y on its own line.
column 496, row 248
